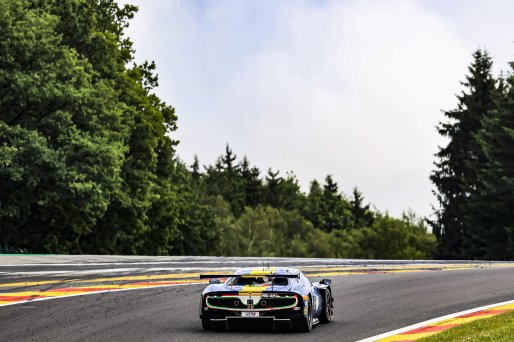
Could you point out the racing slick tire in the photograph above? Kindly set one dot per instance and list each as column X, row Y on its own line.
column 206, row 324
column 304, row 324
column 327, row 311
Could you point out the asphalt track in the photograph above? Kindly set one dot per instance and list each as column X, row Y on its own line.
column 369, row 300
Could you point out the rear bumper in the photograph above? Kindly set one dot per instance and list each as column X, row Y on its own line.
column 260, row 323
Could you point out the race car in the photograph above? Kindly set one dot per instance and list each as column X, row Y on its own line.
column 265, row 298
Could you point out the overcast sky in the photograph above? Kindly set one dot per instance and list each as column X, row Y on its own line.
column 348, row 88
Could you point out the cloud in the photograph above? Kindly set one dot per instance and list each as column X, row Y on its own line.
column 348, row 88
column 354, row 90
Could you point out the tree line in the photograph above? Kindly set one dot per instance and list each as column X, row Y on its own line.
column 88, row 161
column 268, row 214
column 474, row 172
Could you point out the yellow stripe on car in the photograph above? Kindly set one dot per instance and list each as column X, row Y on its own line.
column 260, row 271
column 253, row 289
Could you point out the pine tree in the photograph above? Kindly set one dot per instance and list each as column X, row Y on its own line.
column 326, row 208
column 196, row 174
column 252, row 183
column 224, row 179
column 273, row 181
column 458, row 163
column 312, row 207
column 335, row 210
column 362, row 216
column 493, row 206
column 291, row 198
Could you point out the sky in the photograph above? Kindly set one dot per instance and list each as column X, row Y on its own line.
column 350, row 88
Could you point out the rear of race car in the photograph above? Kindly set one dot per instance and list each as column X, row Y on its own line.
column 255, row 298
column 240, row 310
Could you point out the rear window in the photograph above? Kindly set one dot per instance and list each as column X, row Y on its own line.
column 259, row 281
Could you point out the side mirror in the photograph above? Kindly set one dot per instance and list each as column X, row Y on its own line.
column 326, row 282
column 214, row 281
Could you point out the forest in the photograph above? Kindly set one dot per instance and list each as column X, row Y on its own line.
column 88, row 162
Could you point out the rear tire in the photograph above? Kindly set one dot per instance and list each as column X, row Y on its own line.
column 328, row 308
column 304, row 324
column 206, row 324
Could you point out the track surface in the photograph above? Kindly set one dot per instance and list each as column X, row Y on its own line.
column 366, row 304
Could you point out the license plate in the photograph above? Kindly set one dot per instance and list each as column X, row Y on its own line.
column 249, row 314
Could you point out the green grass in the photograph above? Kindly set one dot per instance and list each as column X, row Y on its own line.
column 496, row 328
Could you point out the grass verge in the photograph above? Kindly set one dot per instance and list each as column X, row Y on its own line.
column 496, row 328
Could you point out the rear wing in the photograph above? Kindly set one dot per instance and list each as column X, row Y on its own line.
column 270, row 276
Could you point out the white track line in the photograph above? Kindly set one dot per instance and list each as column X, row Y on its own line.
column 126, row 263
column 93, row 293
column 431, row 321
column 98, row 271
column 73, row 272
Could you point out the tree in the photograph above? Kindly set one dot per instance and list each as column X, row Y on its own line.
column 492, row 236
column 224, row 179
column 198, row 234
column 283, row 192
column 458, row 163
column 61, row 139
column 311, row 209
column 291, row 198
column 148, row 121
column 195, row 169
column 361, row 214
column 334, row 211
column 390, row 238
column 97, row 163
column 266, row 231
column 273, row 181
column 252, row 183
